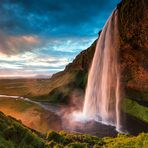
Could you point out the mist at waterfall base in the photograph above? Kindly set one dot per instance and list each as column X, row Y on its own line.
column 102, row 95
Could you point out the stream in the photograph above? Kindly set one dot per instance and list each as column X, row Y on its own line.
column 46, row 106
column 90, row 127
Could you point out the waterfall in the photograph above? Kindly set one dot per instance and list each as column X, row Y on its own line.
column 102, row 96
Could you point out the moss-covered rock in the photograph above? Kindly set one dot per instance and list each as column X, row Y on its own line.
column 135, row 109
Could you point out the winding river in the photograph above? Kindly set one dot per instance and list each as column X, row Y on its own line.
column 89, row 127
column 47, row 106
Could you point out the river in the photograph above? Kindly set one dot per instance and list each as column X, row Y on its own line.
column 132, row 125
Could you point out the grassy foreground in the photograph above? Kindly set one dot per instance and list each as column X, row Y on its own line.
column 13, row 134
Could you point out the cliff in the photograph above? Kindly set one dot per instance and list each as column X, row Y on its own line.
column 133, row 60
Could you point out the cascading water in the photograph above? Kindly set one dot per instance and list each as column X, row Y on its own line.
column 102, row 97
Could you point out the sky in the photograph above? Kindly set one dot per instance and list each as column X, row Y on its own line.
column 40, row 37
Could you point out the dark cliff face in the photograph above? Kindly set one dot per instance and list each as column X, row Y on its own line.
column 133, row 27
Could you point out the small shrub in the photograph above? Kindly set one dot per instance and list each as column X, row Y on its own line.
column 77, row 145
column 58, row 146
column 52, row 135
column 63, row 133
column 51, row 144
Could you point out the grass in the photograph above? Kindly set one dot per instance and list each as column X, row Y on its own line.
column 30, row 114
column 13, row 134
column 123, row 141
column 133, row 108
column 70, row 140
column 16, row 104
column 61, row 88
column 40, row 89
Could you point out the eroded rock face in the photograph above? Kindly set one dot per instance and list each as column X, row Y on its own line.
column 133, row 27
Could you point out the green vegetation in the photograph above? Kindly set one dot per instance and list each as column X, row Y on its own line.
column 123, row 141
column 22, row 87
column 133, row 108
column 60, row 92
column 13, row 134
column 16, row 104
column 21, row 110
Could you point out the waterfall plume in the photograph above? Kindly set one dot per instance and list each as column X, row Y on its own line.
column 102, row 96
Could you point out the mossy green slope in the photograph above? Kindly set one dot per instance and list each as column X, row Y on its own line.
column 14, row 134
column 135, row 109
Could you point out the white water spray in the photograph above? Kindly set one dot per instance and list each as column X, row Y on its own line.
column 102, row 97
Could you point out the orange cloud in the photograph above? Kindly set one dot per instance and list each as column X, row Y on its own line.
column 16, row 44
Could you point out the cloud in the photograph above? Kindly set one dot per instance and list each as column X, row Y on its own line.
column 64, row 46
column 54, row 17
column 14, row 44
column 29, row 64
column 48, row 59
column 43, row 36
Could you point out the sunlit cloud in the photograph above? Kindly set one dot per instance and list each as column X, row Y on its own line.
column 42, row 37
column 23, row 65
column 51, row 57
column 5, row 65
column 16, row 44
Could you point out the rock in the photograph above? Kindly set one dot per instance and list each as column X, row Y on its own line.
column 134, row 47
column 133, row 56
